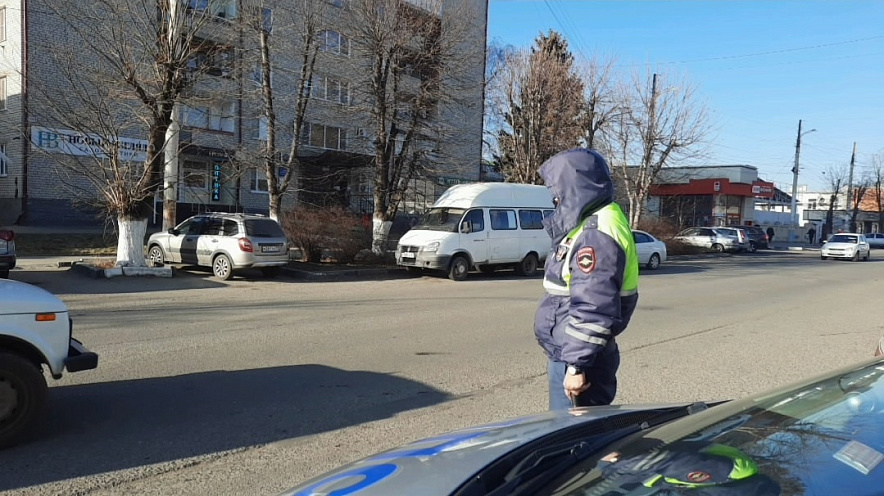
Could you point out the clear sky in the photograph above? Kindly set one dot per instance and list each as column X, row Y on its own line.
column 760, row 66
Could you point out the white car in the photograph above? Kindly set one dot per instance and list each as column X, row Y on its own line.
column 651, row 251
column 851, row 246
column 875, row 240
column 35, row 331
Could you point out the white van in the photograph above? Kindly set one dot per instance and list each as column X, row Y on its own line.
column 480, row 225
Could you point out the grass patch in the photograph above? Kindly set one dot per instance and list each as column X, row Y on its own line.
column 34, row 244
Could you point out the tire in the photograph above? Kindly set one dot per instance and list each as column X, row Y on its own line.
column 155, row 256
column 459, row 268
column 718, row 248
column 855, row 257
column 653, row 262
column 4, row 274
column 823, row 258
column 23, row 394
column 868, row 256
column 271, row 272
column 222, row 268
column 753, row 247
column 528, row 266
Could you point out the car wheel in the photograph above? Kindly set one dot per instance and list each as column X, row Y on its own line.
column 271, row 272
column 222, row 268
column 823, row 257
column 654, row 261
column 855, row 257
column 718, row 248
column 4, row 274
column 23, row 393
column 868, row 255
column 528, row 266
column 459, row 268
column 752, row 247
column 155, row 256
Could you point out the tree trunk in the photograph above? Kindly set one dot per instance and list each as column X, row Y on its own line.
column 130, row 242
column 380, row 233
column 276, row 207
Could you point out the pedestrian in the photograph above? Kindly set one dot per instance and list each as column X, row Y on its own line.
column 811, row 234
column 770, row 234
column 590, row 278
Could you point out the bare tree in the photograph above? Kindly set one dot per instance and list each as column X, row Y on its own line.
column 283, row 64
column 877, row 185
column 124, row 64
column 858, row 193
column 663, row 123
column 601, row 105
column 836, row 180
column 421, row 66
column 539, row 96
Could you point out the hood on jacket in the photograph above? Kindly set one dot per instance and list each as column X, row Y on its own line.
column 581, row 181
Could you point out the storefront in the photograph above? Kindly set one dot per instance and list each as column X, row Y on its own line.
column 710, row 202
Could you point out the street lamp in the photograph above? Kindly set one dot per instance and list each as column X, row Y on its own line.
column 795, row 172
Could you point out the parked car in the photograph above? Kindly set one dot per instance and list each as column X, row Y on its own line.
column 651, row 251
column 224, row 242
column 875, row 240
column 707, row 237
column 757, row 237
column 738, row 233
column 7, row 252
column 851, row 246
column 819, row 436
column 35, row 331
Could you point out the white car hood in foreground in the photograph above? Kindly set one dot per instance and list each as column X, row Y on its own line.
column 17, row 297
column 439, row 465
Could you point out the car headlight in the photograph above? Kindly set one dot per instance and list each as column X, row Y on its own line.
column 432, row 247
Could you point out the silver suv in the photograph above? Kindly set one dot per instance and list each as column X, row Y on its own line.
column 224, row 242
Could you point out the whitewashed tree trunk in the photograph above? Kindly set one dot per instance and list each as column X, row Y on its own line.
column 380, row 232
column 130, row 242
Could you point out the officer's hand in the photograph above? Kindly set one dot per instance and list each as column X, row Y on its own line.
column 575, row 384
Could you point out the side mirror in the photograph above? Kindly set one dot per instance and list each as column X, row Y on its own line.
column 174, row 232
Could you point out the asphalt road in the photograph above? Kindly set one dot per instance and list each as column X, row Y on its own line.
column 249, row 386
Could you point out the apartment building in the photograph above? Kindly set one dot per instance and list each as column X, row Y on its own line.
column 222, row 120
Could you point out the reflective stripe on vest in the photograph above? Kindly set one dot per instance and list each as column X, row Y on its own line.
column 612, row 222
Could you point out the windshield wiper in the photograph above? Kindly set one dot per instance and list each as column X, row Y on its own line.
column 552, row 461
column 544, row 465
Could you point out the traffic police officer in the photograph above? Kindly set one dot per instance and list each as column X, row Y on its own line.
column 591, row 281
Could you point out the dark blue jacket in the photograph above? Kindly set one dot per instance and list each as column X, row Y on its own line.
column 586, row 306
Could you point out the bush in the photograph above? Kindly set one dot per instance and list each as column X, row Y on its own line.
column 674, row 247
column 334, row 230
column 661, row 228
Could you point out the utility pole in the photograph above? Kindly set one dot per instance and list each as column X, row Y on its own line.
column 851, row 205
column 795, row 173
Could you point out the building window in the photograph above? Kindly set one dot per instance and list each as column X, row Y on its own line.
column 225, row 9
column 258, row 181
column 3, row 93
column 334, row 42
column 3, row 23
column 329, row 137
column 196, row 175
column 261, row 130
column 4, row 161
column 216, row 60
column 216, row 116
column 333, row 90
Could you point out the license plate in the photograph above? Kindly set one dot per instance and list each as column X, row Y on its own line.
column 269, row 249
column 407, row 254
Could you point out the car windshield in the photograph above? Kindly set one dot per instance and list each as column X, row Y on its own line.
column 441, row 219
column 843, row 238
column 263, row 228
column 825, row 437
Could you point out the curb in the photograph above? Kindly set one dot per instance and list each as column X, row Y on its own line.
column 346, row 274
column 98, row 273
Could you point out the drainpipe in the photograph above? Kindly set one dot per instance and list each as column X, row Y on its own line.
column 25, row 124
